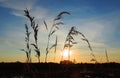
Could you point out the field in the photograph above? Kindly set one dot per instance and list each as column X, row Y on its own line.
column 54, row 70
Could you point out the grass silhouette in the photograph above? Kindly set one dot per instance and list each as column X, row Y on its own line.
column 34, row 26
column 70, row 41
column 28, row 49
column 53, row 29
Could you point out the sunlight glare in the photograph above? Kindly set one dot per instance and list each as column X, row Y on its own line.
column 66, row 53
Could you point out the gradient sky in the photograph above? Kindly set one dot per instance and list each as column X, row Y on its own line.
column 98, row 20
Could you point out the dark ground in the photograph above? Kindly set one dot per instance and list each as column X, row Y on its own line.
column 54, row 70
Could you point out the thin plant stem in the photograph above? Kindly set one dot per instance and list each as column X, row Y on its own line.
column 53, row 29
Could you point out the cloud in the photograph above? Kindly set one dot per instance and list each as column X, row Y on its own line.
column 18, row 6
column 101, row 31
column 100, row 25
column 18, row 13
column 39, row 12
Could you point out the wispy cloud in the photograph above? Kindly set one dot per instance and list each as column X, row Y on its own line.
column 18, row 6
column 39, row 12
column 104, row 24
column 36, row 11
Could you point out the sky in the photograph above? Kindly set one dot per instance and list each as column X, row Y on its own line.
column 98, row 20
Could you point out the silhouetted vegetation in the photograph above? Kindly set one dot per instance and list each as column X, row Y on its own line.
column 28, row 49
column 35, row 28
column 54, row 70
column 66, row 68
column 53, row 29
column 70, row 41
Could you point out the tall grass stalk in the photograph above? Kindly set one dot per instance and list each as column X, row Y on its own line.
column 28, row 49
column 107, row 58
column 53, row 29
column 70, row 41
column 34, row 26
column 55, row 47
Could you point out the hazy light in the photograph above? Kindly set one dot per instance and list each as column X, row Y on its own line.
column 65, row 54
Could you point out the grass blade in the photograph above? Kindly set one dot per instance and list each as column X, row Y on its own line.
column 45, row 25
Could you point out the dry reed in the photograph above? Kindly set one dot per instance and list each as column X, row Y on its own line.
column 34, row 26
column 53, row 29
column 70, row 41
column 28, row 49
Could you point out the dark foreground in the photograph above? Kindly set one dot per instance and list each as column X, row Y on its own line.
column 53, row 70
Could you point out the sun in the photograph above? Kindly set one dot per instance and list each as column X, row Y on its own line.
column 65, row 53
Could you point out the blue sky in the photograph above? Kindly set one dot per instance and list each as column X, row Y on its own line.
column 99, row 20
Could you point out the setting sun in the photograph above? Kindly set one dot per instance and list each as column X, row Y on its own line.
column 65, row 54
